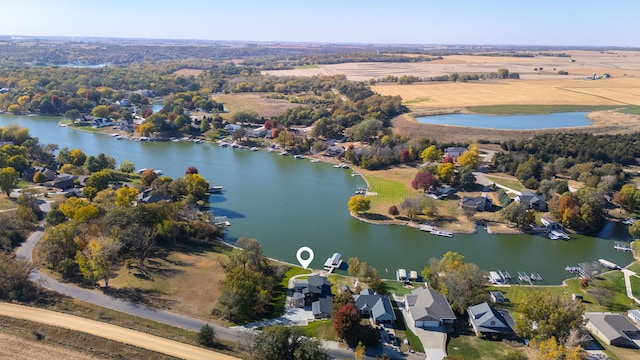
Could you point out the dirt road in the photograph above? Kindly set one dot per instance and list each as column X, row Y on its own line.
column 111, row 332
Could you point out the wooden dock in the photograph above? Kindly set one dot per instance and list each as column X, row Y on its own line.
column 333, row 262
column 622, row 246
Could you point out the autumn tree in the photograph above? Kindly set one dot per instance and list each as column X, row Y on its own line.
column 634, row 230
column 393, row 210
column 191, row 170
column 100, row 111
column 431, row 154
column 9, row 178
column 147, row 177
column 196, row 186
column 39, row 177
column 126, row 166
column 14, row 278
column 548, row 315
column 97, row 258
column 445, row 173
column 358, row 204
column 470, row 158
column 346, row 323
column 125, row 196
column 461, row 283
column 424, row 181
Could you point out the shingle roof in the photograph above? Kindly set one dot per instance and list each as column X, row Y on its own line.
column 379, row 305
column 612, row 326
column 429, row 305
column 486, row 319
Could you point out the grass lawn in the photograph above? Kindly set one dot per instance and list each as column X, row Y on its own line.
column 403, row 333
column 636, row 265
column 533, row 109
column 389, row 192
column 635, row 286
column 6, row 203
column 471, row 347
column 512, row 183
column 321, row 329
column 633, row 110
column 396, row 287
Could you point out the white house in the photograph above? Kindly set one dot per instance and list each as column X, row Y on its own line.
column 231, row 128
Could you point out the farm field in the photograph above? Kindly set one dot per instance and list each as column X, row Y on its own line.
column 257, row 102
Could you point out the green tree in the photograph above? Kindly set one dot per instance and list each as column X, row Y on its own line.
column 634, row 230
column 283, row 342
column 367, row 130
column 547, row 315
column 100, row 180
column 242, row 117
column 9, row 178
column 19, row 163
column 126, row 166
column 358, row 204
column 73, row 114
column 207, row 336
column 517, row 214
column 503, row 73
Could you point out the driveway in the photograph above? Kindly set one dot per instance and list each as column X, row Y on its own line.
column 433, row 341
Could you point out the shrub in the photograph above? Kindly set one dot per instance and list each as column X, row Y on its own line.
column 207, row 336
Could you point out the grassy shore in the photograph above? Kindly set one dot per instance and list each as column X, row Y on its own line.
column 533, row 109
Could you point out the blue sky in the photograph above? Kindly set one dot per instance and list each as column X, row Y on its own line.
column 492, row 22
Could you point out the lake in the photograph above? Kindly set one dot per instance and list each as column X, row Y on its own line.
column 287, row 203
column 510, row 122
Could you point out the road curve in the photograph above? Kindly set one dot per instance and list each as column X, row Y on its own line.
column 112, row 332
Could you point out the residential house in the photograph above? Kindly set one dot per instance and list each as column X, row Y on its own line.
column 441, row 192
column 487, row 322
column 429, row 309
column 376, row 307
column 335, row 150
column 614, row 329
column 63, row 181
column 497, row 297
column 479, row 203
column 101, row 122
column 532, row 201
column 454, row 151
column 28, row 174
column 257, row 132
column 315, row 291
column 231, row 128
column 149, row 197
column 125, row 102
column 125, row 125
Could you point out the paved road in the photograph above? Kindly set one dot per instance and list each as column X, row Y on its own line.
column 112, row 332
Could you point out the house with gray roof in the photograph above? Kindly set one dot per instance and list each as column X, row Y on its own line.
column 376, row 307
column 478, row 203
column 454, row 151
column 532, row 200
column 614, row 329
column 488, row 322
column 315, row 291
column 634, row 315
column 429, row 308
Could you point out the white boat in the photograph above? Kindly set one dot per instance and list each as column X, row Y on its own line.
column 223, row 143
column 254, row 149
column 140, row 171
column 284, row 153
column 114, row 134
column 235, row 146
column 297, row 156
column 158, row 172
column 314, row 160
column 215, row 189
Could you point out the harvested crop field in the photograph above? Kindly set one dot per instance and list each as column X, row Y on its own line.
column 20, row 349
column 257, row 102
column 434, row 95
column 577, row 64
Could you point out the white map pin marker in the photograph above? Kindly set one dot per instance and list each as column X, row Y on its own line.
column 304, row 262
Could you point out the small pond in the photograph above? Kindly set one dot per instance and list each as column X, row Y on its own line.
column 510, row 122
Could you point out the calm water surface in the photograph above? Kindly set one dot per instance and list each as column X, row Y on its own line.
column 287, row 203
column 510, row 122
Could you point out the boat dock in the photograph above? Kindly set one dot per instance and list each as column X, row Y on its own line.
column 573, row 269
column 433, row 230
column 333, row 262
column 221, row 221
column 505, row 275
column 522, row 276
column 623, row 246
column 609, row 264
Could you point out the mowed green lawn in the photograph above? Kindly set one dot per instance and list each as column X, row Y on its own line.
column 389, row 193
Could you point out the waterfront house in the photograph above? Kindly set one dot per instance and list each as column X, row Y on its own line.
column 257, row 132
column 335, row 150
column 231, row 128
column 441, row 192
column 429, row 309
column 315, row 291
column 63, row 181
column 376, row 307
column 454, row 151
column 479, row 203
column 101, row 122
column 487, row 322
column 149, row 197
column 49, row 174
column 614, row 329
column 532, row 201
